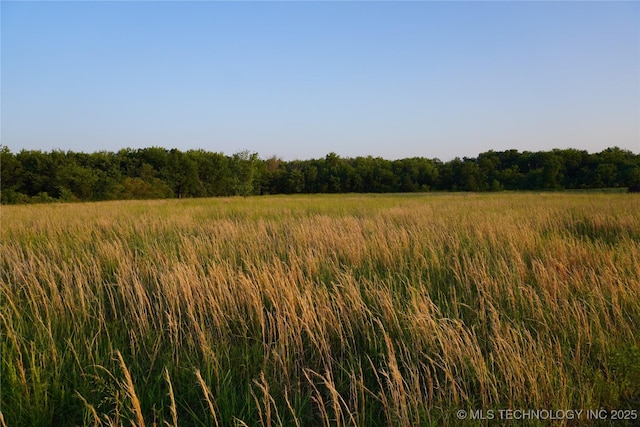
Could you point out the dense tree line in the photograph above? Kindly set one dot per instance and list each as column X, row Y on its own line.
column 36, row 176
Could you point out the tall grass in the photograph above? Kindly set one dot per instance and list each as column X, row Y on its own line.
column 318, row 310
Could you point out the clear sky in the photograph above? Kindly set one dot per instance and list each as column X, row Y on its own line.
column 301, row 79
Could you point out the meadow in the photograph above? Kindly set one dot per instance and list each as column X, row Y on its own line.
column 328, row 310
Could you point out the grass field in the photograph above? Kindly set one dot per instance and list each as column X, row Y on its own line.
column 343, row 310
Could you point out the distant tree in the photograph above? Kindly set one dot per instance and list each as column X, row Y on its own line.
column 489, row 164
column 244, row 173
column 606, row 175
column 449, row 175
column 311, row 181
column 295, row 181
column 38, row 173
column 138, row 188
column 182, row 175
column 384, row 180
column 129, row 162
column 365, row 180
column 471, row 178
column 11, row 174
column 408, row 172
column 272, row 176
column 511, row 178
column 573, row 164
column 109, row 182
column 78, row 181
column 551, row 165
column 36, row 176
column 634, row 176
column 158, row 158
column 212, row 171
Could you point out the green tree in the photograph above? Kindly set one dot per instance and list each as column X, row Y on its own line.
column 489, row 164
column 470, row 176
column 213, row 172
column 244, row 173
column 39, row 173
column 109, row 182
column 79, row 181
column 138, row 188
column 295, row 181
column 606, row 175
column 573, row 164
column 552, row 165
column 11, row 175
column 182, row 175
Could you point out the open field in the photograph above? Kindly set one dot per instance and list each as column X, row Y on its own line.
column 319, row 310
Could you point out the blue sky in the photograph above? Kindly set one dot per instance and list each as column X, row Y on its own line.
column 301, row 79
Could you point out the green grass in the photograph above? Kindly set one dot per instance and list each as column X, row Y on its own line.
column 318, row 310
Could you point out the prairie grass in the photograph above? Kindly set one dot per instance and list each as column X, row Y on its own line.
column 350, row 310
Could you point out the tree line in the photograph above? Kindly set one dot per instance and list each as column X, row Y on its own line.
column 35, row 176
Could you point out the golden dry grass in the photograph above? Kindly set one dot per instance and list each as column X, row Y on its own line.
column 330, row 310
